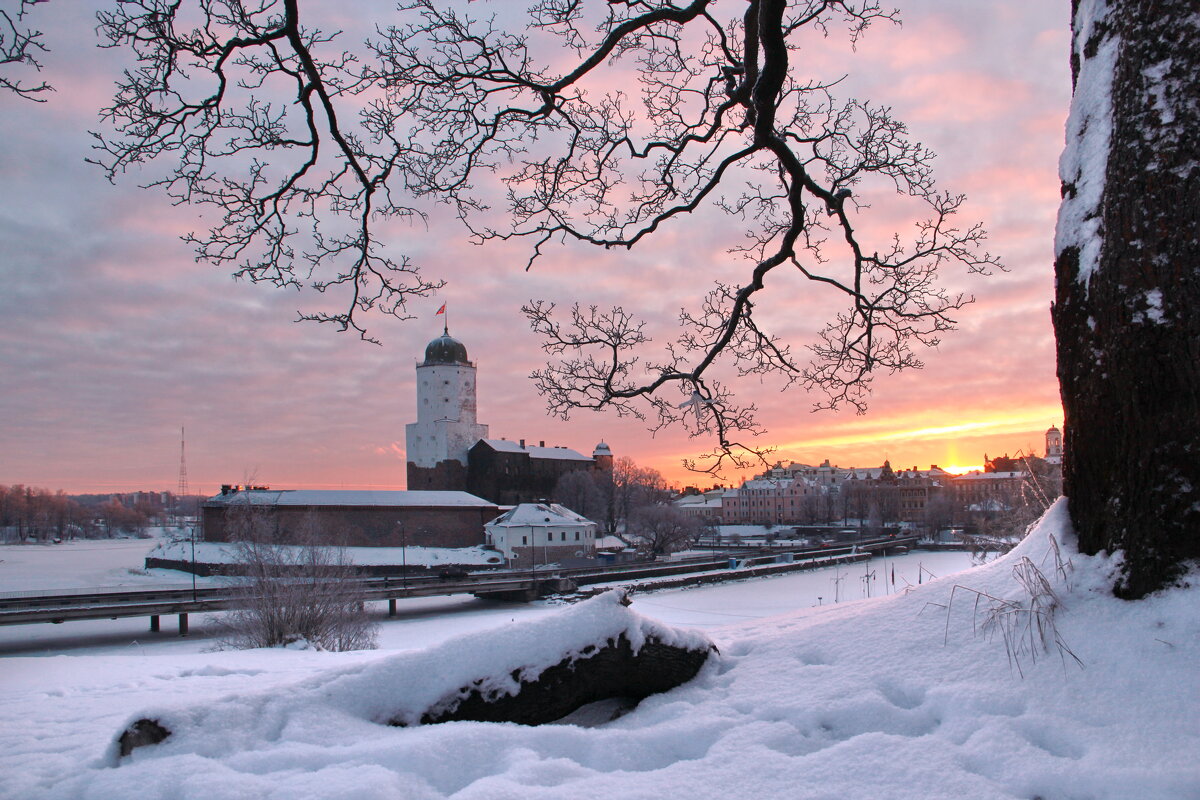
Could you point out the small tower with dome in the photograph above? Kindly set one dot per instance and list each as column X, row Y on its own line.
column 603, row 456
column 1054, row 445
column 446, row 428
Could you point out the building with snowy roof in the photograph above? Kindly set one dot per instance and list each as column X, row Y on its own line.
column 449, row 450
column 541, row 533
column 514, row 472
column 706, row 506
column 349, row 517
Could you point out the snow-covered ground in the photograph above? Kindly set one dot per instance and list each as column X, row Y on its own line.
column 81, row 563
column 891, row 697
column 86, row 563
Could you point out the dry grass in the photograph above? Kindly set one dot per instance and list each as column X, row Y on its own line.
column 1027, row 624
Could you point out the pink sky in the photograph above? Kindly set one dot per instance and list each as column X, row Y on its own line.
column 112, row 338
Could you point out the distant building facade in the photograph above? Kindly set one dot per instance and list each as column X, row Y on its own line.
column 449, row 450
column 512, row 472
column 705, row 506
column 352, row 518
column 800, row 494
column 1005, row 479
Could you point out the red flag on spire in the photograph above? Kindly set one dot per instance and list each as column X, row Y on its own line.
column 441, row 310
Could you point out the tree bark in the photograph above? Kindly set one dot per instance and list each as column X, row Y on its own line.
column 1126, row 314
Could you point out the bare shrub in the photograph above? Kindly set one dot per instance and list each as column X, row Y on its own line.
column 304, row 591
column 1026, row 624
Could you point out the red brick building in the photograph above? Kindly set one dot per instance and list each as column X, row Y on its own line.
column 352, row 518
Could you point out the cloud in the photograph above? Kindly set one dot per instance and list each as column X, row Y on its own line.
column 111, row 337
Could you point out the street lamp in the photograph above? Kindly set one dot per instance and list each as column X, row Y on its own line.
column 193, row 537
column 403, row 557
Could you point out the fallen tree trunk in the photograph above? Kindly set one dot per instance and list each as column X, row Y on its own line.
column 611, row 670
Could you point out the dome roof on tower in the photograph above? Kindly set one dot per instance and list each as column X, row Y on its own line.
column 445, row 350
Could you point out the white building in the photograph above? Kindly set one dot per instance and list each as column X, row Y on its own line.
column 541, row 533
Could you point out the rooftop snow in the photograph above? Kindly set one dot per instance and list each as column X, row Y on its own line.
column 350, row 497
column 986, row 476
column 558, row 453
column 539, row 514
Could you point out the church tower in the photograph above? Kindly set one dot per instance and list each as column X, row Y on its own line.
column 437, row 443
column 1054, row 445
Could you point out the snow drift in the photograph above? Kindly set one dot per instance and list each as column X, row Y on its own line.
column 529, row 672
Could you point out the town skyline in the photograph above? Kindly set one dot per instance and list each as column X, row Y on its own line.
column 113, row 337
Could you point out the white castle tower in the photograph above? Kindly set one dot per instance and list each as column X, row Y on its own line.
column 437, row 443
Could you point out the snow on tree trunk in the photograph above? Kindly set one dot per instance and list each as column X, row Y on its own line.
column 1127, row 309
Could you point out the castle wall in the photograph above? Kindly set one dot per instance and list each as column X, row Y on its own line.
column 447, row 476
column 354, row 526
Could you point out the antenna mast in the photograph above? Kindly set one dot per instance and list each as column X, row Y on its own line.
column 182, row 489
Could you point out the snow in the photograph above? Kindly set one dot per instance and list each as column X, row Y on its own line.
column 1084, row 162
column 218, row 553
column 900, row 696
column 538, row 514
column 79, row 563
column 368, row 693
column 559, row 453
column 1154, row 306
column 988, row 476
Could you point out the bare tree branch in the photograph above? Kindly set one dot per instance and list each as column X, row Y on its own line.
column 249, row 106
column 21, row 45
column 455, row 108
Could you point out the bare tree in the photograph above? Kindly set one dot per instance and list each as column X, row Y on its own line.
column 20, row 45
column 663, row 528
column 586, row 492
column 634, row 487
column 285, row 132
column 302, row 591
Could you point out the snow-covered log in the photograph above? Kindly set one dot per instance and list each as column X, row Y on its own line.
column 599, row 672
column 529, row 672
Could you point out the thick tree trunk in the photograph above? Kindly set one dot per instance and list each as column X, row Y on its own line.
column 1127, row 310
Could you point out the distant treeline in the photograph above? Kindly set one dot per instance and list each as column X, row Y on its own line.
column 32, row 514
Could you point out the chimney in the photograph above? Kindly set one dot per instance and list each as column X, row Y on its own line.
column 225, row 488
column 522, row 443
column 541, row 444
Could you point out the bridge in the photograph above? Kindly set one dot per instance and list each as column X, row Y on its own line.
column 19, row 608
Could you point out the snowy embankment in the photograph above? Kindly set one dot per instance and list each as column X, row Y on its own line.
column 897, row 697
